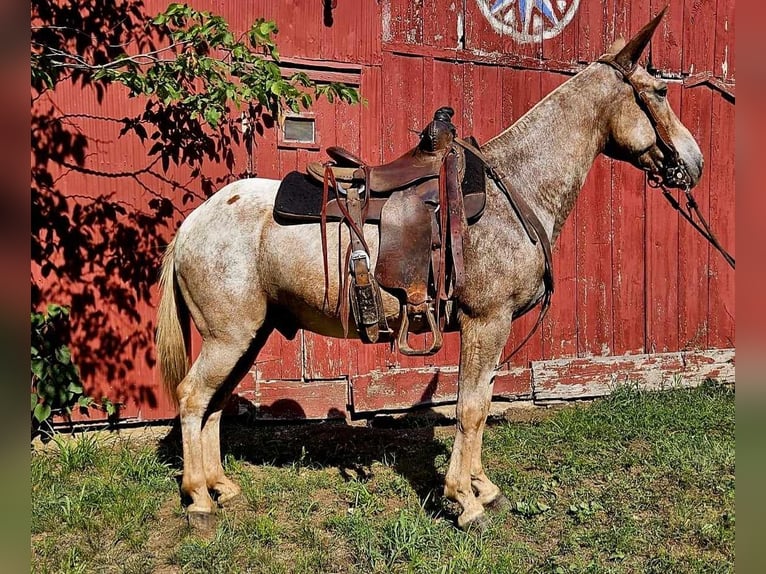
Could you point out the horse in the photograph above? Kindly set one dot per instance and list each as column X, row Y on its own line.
column 240, row 275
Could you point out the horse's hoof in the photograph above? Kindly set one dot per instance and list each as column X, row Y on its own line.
column 499, row 504
column 479, row 525
column 201, row 521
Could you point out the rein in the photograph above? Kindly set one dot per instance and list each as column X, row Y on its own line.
column 675, row 175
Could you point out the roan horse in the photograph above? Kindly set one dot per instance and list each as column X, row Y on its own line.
column 240, row 275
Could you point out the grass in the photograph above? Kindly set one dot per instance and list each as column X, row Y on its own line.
column 636, row 482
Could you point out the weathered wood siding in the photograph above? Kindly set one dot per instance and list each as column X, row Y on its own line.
column 639, row 294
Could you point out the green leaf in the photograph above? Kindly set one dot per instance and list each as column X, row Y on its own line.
column 266, row 27
column 42, row 412
column 212, row 116
column 109, row 406
column 63, row 354
column 84, row 401
column 56, row 310
column 38, row 368
column 35, row 400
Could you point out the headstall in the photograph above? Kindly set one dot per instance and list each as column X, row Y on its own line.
column 674, row 174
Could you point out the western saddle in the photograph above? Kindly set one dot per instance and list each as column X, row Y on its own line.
column 422, row 202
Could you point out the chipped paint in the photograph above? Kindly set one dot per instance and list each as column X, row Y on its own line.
column 559, row 379
column 385, row 17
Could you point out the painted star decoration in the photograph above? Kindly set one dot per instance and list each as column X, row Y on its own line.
column 525, row 8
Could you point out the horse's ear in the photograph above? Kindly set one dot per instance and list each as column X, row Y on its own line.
column 629, row 55
column 616, row 46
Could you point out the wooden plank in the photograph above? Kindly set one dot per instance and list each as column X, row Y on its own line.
column 628, row 214
column 507, row 59
column 560, row 325
column 720, row 170
column 348, row 34
column 594, row 262
column 487, row 102
column 448, row 90
column 694, row 251
column 521, row 91
column 443, row 24
column 565, row 45
column 325, row 357
column 371, row 117
column 303, row 23
column 402, row 21
column 293, row 400
column 629, row 258
column 699, row 33
column 406, row 388
column 667, row 44
column 724, row 61
column 280, row 358
column 561, row 379
column 482, row 38
column 662, row 255
column 593, row 19
column 403, row 94
column 628, row 19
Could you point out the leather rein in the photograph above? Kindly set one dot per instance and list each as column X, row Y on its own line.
column 675, row 174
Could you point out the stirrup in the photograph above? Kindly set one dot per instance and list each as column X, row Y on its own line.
column 404, row 331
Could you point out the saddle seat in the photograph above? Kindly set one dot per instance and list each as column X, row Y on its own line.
column 409, row 169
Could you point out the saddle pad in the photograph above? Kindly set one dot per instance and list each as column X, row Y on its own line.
column 475, row 175
column 299, row 199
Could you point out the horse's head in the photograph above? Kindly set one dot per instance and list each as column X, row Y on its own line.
column 643, row 128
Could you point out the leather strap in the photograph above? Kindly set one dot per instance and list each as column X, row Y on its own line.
column 535, row 232
column 456, row 214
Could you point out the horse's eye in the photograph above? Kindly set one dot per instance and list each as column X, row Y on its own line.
column 662, row 91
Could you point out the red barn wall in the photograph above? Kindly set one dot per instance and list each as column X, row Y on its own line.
column 632, row 278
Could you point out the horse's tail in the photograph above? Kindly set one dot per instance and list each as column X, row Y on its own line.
column 172, row 328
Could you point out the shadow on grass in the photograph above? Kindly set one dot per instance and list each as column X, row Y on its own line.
column 406, row 443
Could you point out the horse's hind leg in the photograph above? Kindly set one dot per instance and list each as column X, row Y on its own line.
column 215, row 477
column 217, row 481
column 201, row 395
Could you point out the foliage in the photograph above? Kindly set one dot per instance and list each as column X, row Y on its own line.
column 205, row 90
column 194, row 68
column 56, row 384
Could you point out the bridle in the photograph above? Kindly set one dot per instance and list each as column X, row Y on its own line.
column 674, row 173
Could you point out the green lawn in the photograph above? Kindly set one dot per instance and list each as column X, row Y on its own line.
column 637, row 482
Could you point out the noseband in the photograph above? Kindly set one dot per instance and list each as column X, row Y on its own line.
column 674, row 173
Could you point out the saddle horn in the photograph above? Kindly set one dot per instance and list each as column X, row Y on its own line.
column 629, row 55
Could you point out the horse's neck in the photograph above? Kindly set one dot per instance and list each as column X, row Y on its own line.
column 547, row 153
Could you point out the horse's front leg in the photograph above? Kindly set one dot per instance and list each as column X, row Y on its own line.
column 466, row 483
